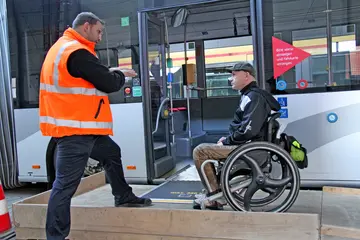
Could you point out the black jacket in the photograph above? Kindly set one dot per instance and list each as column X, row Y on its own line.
column 83, row 64
column 251, row 115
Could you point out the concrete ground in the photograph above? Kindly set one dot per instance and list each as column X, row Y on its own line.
column 18, row 194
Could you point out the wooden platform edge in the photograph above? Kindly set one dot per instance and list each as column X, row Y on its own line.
column 87, row 184
column 39, row 234
column 158, row 223
column 175, row 223
column 341, row 190
column 335, row 231
column 340, row 231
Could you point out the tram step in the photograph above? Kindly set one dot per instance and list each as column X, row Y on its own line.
column 163, row 165
column 160, row 150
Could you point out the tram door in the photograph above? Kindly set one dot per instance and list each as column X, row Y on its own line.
column 156, row 103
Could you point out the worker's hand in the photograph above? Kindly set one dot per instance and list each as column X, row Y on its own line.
column 129, row 72
column 126, row 72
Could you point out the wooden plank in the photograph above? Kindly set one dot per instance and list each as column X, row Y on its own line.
column 327, row 237
column 39, row 234
column 107, row 222
column 340, row 212
column 102, row 196
column 341, row 190
column 341, row 232
column 87, row 184
column 179, row 223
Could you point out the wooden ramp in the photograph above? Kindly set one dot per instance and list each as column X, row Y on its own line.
column 91, row 221
column 340, row 217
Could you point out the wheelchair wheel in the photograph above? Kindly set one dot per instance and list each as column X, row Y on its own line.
column 258, row 180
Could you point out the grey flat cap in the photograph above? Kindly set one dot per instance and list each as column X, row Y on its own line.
column 243, row 66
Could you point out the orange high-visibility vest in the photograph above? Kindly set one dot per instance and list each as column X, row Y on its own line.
column 68, row 105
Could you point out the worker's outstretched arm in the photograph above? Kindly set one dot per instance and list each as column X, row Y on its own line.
column 83, row 64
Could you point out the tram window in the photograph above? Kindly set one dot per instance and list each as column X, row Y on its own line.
column 221, row 54
column 13, row 87
column 178, row 56
column 125, row 60
column 345, row 36
column 29, row 90
column 314, row 68
column 306, row 28
column 14, row 92
column 31, row 59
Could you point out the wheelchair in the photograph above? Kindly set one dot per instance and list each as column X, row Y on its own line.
column 247, row 169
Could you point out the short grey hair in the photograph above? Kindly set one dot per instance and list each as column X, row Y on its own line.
column 84, row 17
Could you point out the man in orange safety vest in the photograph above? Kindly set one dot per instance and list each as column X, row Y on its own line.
column 75, row 112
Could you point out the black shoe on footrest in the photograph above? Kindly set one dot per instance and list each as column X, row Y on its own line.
column 212, row 205
column 135, row 202
column 215, row 206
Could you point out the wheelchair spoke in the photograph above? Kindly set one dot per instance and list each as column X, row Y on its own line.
column 269, row 190
column 254, row 166
column 272, row 183
column 251, row 190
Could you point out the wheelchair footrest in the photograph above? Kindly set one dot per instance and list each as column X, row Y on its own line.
column 213, row 193
column 215, row 199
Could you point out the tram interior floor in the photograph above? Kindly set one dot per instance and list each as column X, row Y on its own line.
column 182, row 164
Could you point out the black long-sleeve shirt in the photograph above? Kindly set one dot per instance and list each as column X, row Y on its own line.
column 83, row 64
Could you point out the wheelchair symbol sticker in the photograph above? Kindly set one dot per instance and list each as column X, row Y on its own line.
column 282, row 101
column 281, row 85
column 332, row 117
column 284, row 113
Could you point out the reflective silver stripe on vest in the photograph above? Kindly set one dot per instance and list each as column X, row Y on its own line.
column 73, row 90
column 67, row 90
column 75, row 124
column 57, row 61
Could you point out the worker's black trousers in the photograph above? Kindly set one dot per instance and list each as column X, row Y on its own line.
column 71, row 158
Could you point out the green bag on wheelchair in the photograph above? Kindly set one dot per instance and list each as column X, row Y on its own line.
column 296, row 150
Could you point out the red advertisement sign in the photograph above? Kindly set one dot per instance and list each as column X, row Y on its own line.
column 285, row 56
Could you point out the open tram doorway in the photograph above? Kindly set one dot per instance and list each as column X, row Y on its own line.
column 184, row 53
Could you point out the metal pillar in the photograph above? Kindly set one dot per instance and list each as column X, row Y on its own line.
column 329, row 41
column 257, row 29
column 146, row 98
column 262, row 39
column 8, row 156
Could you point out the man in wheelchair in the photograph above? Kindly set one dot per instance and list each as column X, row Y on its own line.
column 248, row 125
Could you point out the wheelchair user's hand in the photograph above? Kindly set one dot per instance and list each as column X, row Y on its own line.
column 221, row 140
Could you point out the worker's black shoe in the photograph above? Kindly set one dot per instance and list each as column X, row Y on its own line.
column 135, row 202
